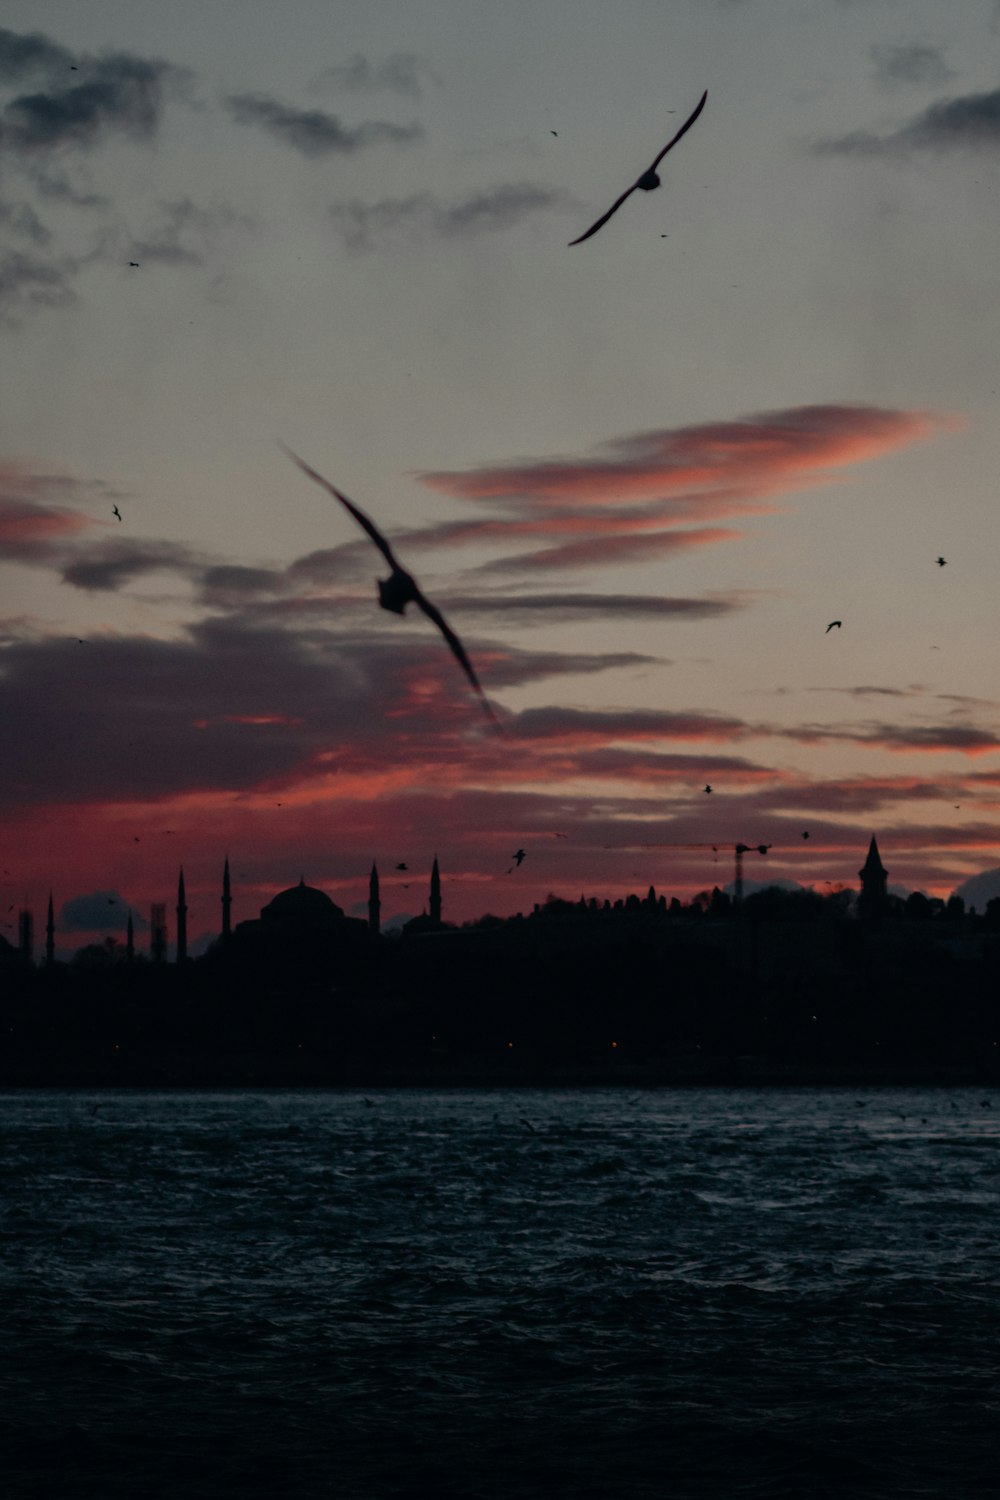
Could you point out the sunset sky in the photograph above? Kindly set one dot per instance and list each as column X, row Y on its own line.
column 640, row 476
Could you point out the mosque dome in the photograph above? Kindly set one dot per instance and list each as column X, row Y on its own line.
column 301, row 904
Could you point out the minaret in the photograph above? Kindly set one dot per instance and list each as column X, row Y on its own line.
column 227, row 901
column 129, row 939
column 182, row 926
column 873, row 876
column 374, row 904
column 50, row 936
column 435, row 912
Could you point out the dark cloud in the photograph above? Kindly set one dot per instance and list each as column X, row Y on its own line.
column 117, row 94
column 400, row 73
column 965, row 738
column 230, row 585
column 313, row 132
column 582, row 725
column 98, row 911
column 28, row 55
column 909, row 62
column 423, row 216
column 577, row 608
column 232, row 707
column 969, row 122
column 109, row 565
column 980, row 889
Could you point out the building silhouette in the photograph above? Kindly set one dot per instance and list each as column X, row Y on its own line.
column 182, row 930
column 873, row 900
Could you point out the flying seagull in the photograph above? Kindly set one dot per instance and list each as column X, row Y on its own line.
column 401, row 588
column 134, row 263
column 708, row 789
column 116, row 512
column 518, row 857
column 832, row 623
column 649, row 179
column 942, row 562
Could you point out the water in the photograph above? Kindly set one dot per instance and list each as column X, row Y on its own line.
column 700, row 1292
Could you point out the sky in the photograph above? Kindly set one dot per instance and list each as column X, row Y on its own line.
column 640, row 475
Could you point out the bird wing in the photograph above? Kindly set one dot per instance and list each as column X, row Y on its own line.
column 618, row 202
column 363, row 521
column 458, row 650
column 604, row 217
column 684, row 128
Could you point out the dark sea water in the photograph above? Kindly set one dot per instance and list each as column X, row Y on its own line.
column 675, row 1292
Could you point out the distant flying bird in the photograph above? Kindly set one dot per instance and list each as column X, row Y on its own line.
column 518, row 857
column 402, row 867
column 116, row 512
column 134, row 263
column 805, row 835
column 708, row 790
column 942, row 562
column 649, row 179
column 401, row 588
column 832, row 623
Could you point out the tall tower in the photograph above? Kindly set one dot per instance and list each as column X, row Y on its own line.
column 227, row 901
column 50, row 936
column 374, row 904
column 158, row 932
column 435, row 911
column 873, row 875
column 182, row 921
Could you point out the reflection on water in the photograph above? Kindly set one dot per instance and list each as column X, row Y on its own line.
column 501, row 1293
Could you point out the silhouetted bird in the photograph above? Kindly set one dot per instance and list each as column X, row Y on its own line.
column 401, row 588
column 942, row 562
column 838, row 623
column 649, row 179
column 708, row 789
column 402, row 867
column 116, row 512
column 805, row 835
column 518, row 857
column 134, row 263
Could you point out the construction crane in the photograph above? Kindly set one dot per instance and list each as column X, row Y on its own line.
column 739, row 849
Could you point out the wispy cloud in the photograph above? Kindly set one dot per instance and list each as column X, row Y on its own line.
column 30, row 280
column 424, row 216
column 967, row 122
column 313, row 132
column 586, row 508
column 184, row 233
column 34, row 515
column 574, row 608
column 967, row 739
column 909, row 62
column 399, row 73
